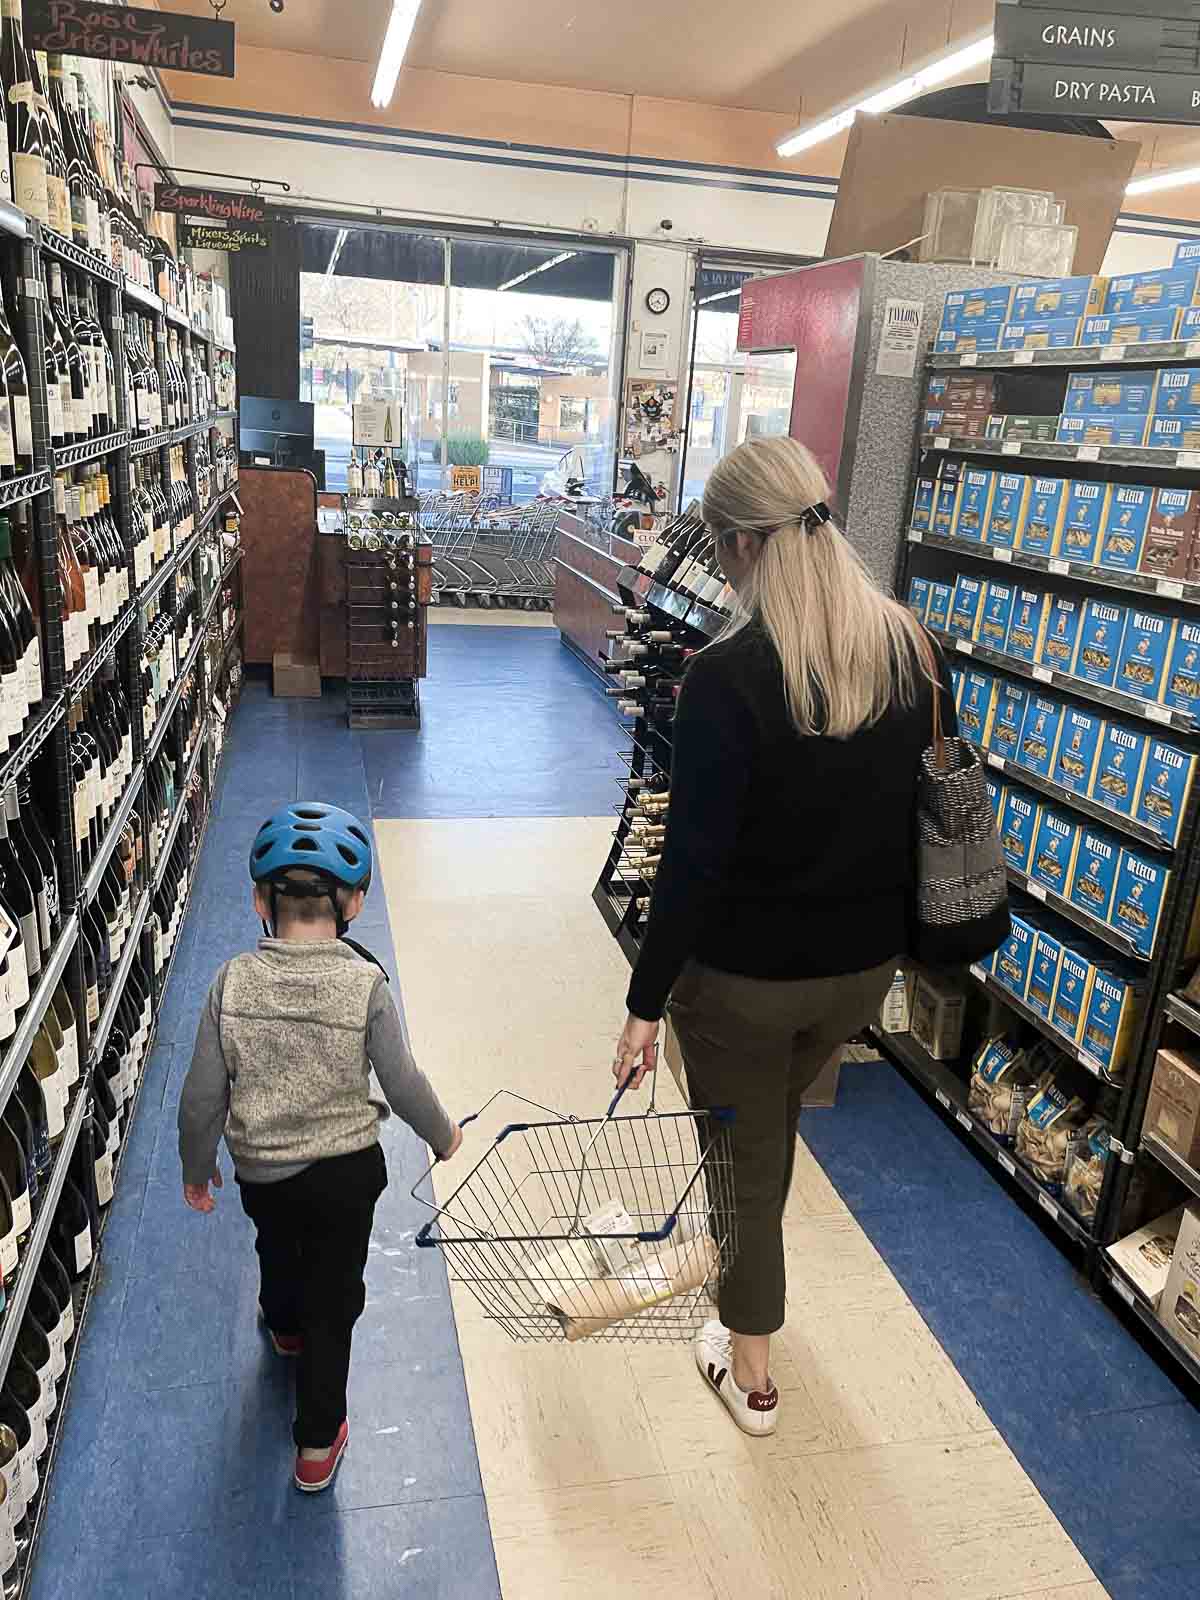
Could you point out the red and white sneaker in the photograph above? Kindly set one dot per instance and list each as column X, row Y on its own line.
column 317, row 1473
column 753, row 1411
column 283, row 1344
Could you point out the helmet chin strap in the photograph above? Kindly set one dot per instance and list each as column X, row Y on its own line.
column 290, row 890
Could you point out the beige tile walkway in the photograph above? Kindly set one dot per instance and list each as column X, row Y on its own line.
column 607, row 1468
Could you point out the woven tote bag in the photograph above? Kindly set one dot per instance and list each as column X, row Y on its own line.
column 960, row 903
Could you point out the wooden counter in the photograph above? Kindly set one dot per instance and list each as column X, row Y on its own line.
column 585, row 586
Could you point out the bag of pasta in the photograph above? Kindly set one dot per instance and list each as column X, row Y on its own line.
column 1052, row 1118
column 1001, row 1081
column 1087, row 1162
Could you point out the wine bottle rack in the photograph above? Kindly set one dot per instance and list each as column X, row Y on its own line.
column 47, row 728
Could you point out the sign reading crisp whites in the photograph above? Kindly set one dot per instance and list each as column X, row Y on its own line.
column 128, row 33
column 200, row 236
column 213, row 204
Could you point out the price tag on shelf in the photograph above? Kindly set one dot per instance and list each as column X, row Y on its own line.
column 969, row 360
column 1124, row 1292
column 1043, row 674
column 978, row 972
column 1036, row 890
column 1193, row 349
column 941, row 442
column 964, row 647
column 1113, row 352
column 964, row 1121
column 1088, row 452
column 1169, row 588
column 942, row 1099
column 1007, row 1162
column 1091, row 1063
column 1002, row 553
column 1154, row 713
column 1011, row 447
column 1023, row 358
column 915, row 536
column 995, row 761
column 1188, row 459
column 1048, row 1206
column 1061, row 567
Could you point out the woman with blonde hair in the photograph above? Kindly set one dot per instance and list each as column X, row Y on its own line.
column 782, row 897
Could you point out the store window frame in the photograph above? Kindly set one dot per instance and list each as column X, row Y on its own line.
column 620, row 250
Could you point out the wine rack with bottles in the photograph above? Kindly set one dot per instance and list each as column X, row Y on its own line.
column 117, row 467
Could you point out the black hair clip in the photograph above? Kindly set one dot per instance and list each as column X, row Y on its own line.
column 815, row 517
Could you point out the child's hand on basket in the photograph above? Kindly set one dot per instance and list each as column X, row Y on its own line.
column 637, row 1051
column 455, row 1144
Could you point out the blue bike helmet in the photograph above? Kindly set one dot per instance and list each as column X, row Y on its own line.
column 319, row 838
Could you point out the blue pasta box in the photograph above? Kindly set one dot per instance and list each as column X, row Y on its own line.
column 1117, row 783
column 1174, row 433
column 1008, row 719
column 1055, row 333
column 1137, row 903
column 1166, row 785
column 1043, row 973
column 945, row 503
column 1010, row 497
column 976, row 707
column 1014, row 956
column 1062, row 633
column 1134, row 327
column 1145, row 651
column 976, row 336
column 967, row 308
column 1150, row 291
column 1078, row 747
column 1028, row 625
column 918, row 597
column 1181, row 691
column 1039, row 735
column 974, row 503
column 1071, row 997
column 1044, row 517
column 1110, row 428
column 1091, row 393
column 956, row 682
column 922, row 512
column 1178, row 392
column 1054, row 847
column 965, row 606
column 1087, row 507
column 1189, row 323
column 1051, row 299
column 995, row 615
column 1096, row 861
column 1110, row 1022
column 1018, row 825
column 1100, row 635
column 938, row 613
column 1187, row 250
column 1125, row 523
column 995, row 793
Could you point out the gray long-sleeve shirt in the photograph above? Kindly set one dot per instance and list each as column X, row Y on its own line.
column 283, row 1060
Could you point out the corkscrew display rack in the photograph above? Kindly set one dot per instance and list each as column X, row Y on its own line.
column 45, row 741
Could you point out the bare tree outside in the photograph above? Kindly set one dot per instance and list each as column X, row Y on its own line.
column 558, row 341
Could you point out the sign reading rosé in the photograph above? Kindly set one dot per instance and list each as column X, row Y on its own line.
column 128, row 33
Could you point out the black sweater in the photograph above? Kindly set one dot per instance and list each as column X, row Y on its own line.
column 785, row 856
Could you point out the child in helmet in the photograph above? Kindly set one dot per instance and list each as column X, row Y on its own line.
column 282, row 1065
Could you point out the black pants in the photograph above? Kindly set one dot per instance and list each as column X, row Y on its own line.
column 313, row 1232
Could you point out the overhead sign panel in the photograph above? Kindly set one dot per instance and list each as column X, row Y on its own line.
column 214, row 205
column 128, row 33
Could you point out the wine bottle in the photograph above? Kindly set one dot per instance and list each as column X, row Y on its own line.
column 47, row 1069
column 21, row 618
column 19, row 895
column 54, row 1273
column 24, row 122
column 9, row 1246
column 102, row 1158
column 26, row 1389
column 73, row 1229
column 16, row 1184
column 33, row 1344
column 33, row 1102
column 10, row 1470
column 16, row 384
column 43, row 1308
column 15, row 1415
column 10, row 1570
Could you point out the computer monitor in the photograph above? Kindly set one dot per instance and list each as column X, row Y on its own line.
column 281, row 429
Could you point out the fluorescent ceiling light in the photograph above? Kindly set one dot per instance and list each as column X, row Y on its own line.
column 894, row 94
column 725, row 294
column 533, row 271
column 1164, row 180
column 395, row 43
column 336, row 252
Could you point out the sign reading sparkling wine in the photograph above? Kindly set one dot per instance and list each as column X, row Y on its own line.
column 214, row 205
column 130, row 34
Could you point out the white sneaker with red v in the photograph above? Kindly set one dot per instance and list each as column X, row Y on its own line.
column 753, row 1410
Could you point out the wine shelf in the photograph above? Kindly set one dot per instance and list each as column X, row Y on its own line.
column 946, row 1087
column 170, row 566
column 73, row 255
column 146, row 444
column 120, row 817
column 172, row 700
column 160, row 866
column 116, row 632
column 173, row 314
column 209, row 515
column 117, row 987
column 15, row 490
column 21, row 1286
column 13, row 222
column 145, row 298
column 221, row 416
column 74, row 455
column 39, row 998
column 34, row 737
column 210, row 605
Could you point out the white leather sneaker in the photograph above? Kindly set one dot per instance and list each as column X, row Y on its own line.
column 753, row 1411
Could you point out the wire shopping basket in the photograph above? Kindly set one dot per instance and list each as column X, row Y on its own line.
column 613, row 1227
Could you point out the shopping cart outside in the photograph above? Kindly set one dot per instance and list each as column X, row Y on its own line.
column 615, row 1227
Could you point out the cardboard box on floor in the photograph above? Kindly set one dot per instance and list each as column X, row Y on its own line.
column 293, row 678
column 822, row 1093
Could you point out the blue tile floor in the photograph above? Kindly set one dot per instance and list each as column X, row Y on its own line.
column 173, row 1474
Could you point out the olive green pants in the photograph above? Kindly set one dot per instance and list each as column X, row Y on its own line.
column 756, row 1045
